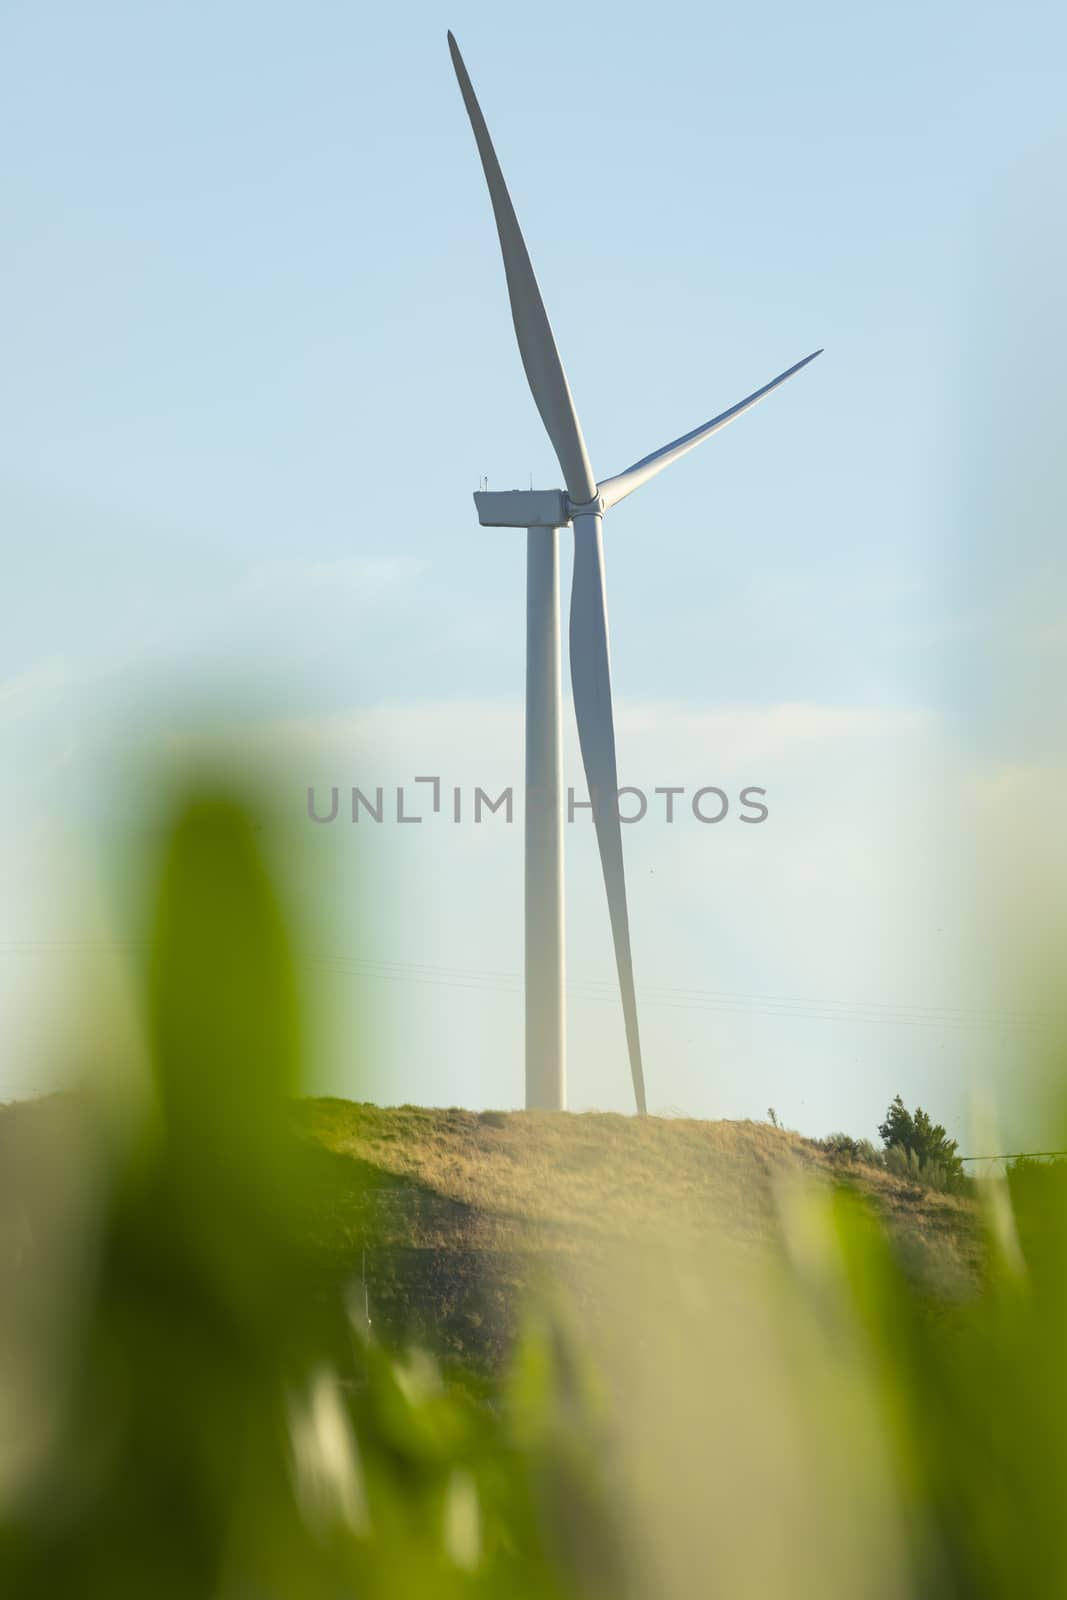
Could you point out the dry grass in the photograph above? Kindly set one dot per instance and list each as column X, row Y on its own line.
column 466, row 1208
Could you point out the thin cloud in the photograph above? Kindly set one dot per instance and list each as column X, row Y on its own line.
column 359, row 579
column 739, row 732
column 27, row 692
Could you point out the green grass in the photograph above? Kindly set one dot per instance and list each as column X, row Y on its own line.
column 682, row 1358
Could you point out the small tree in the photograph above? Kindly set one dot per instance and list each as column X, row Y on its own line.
column 922, row 1145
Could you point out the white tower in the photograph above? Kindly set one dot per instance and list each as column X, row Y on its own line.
column 543, row 513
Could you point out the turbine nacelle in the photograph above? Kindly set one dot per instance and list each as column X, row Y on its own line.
column 522, row 508
column 533, row 508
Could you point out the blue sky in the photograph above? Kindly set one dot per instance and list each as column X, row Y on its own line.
column 258, row 355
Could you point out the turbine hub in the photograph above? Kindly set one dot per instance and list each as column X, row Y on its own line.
column 595, row 507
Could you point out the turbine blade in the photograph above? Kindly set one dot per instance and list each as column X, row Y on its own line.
column 540, row 358
column 612, row 490
column 591, row 685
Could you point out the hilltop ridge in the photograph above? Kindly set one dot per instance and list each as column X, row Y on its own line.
column 453, row 1213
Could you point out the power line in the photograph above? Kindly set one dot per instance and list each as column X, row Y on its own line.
column 723, row 1002
column 905, row 1009
column 668, row 992
column 1016, row 1155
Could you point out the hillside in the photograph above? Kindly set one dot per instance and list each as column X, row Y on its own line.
column 441, row 1219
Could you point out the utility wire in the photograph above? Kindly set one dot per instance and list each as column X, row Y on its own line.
column 980, row 1014
column 724, row 1002
column 1016, row 1155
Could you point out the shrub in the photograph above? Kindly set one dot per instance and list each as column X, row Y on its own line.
column 919, row 1148
column 843, row 1147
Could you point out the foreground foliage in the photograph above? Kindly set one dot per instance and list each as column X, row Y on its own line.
column 189, row 1408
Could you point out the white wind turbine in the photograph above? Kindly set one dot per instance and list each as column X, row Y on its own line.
column 543, row 513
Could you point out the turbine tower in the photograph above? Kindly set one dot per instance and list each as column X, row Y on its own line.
column 581, row 505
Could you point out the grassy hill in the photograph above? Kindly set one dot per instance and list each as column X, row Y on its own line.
column 442, row 1219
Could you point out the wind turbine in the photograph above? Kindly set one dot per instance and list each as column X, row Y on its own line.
column 543, row 513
